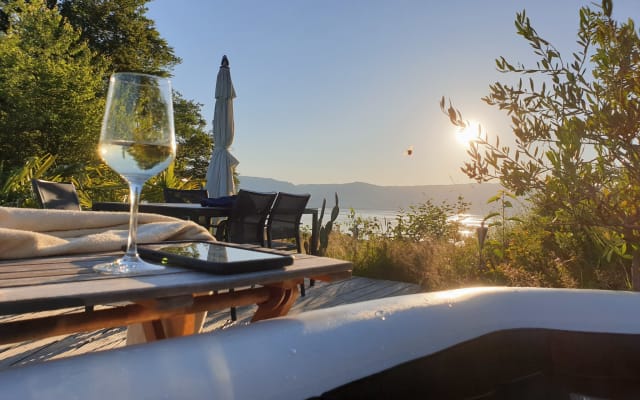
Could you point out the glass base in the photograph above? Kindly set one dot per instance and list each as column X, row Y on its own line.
column 127, row 265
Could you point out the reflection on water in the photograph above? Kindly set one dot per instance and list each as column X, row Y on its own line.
column 388, row 218
column 468, row 223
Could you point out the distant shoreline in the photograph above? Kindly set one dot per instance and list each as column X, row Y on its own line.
column 364, row 196
column 468, row 222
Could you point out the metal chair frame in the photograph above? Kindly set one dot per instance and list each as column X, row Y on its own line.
column 247, row 220
column 284, row 219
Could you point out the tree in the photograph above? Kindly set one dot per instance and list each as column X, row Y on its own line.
column 120, row 31
column 4, row 18
column 576, row 124
column 194, row 143
column 50, row 88
column 53, row 70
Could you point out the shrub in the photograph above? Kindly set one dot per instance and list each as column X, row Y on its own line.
column 537, row 252
column 531, row 253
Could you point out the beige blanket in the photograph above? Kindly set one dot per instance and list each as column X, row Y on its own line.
column 27, row 232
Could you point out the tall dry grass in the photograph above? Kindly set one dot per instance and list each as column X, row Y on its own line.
column 435, row 265
column 530, row 252
column 442, row 265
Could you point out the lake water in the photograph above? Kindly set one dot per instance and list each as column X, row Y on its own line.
column 469, row 222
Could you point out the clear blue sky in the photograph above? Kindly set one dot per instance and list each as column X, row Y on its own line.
column 335, row 91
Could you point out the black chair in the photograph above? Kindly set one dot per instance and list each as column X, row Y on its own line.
column 56, row 195
column 246, row 222
column 284, row 223
column 188, row 196
column 284, row 220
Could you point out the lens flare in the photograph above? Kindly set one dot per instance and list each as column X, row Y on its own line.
column 468, row 134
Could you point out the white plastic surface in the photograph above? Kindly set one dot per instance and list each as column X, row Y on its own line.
column 305, row 355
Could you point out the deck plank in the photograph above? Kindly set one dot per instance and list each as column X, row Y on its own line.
column 321, row 295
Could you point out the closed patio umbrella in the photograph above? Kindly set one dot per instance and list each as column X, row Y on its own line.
column 220, row 172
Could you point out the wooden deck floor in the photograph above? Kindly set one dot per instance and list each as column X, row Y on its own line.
column 322, row 295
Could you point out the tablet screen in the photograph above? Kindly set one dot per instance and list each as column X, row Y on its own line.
column 215, row 253
column 216, row 258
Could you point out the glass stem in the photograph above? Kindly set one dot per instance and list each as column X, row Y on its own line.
column 134, row 199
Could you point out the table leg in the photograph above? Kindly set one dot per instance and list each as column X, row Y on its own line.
column 181, row 325
column 280, row 301
column 275, row 301
column 152, row 331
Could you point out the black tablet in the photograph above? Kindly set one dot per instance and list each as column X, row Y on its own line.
column 216, row 258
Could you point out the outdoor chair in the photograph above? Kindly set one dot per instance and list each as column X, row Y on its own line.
column 246, row 222
column 284, row 220
column 188, row 196
column 56, row 195
column 284, row 223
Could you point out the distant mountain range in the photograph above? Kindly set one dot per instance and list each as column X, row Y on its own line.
column 365, row 196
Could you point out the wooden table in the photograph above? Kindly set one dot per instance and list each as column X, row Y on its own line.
column 189, row 211
column 176, row 294
column 193, row 212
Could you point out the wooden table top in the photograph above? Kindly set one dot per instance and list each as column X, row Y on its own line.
column 39, row 284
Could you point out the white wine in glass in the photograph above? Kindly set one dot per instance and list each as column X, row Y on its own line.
column 137, row 140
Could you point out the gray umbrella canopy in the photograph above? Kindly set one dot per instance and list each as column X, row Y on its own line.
column 220, row 172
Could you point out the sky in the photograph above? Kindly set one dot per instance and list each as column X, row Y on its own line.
column 337, row 91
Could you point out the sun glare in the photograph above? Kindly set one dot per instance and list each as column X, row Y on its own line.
column 469, row 134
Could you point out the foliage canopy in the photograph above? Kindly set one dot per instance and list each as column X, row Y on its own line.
column 576, row 123
column 50, row 100
column 121, row 31
column 55, row 58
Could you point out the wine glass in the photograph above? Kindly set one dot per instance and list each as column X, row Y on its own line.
column 137, row 140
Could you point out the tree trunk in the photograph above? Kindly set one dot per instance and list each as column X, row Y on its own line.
column 635, row 270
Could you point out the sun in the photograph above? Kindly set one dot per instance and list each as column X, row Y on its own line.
column 470, row 133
